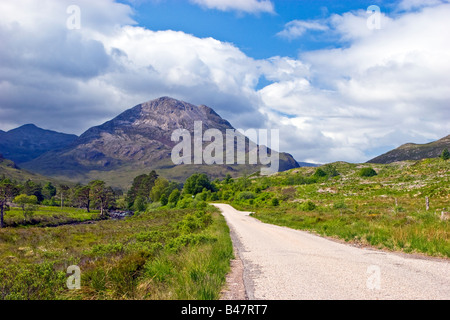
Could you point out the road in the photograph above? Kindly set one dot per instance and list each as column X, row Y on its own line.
column 285, row 264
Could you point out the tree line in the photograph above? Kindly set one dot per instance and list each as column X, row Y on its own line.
column 145, row 189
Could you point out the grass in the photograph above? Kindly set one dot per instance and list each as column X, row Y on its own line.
column 46, row 216
column 386, row 211
column 162, row 254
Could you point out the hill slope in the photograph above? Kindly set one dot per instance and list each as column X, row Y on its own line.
column 411, row 151
column 137, row 141
column 10, row 170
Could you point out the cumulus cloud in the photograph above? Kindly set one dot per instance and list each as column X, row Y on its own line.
column 377, row 90
column 248, row 6
column 387, row 87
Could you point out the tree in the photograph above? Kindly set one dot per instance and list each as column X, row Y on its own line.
column 445, row 155
column 103, row 196
column 7, row 192
column 174, row 196
column 228, row 179
column 140, row 203
column 31, row 188
column 141, row 187
column 63, row 193
column 161, row 186
column 48, row 191
column 82, row 197
column 164, row 200
column 196, row 183
column 27, row 203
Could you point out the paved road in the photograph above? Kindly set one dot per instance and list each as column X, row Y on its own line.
column 286, row 264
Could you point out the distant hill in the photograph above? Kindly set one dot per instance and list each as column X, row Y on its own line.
column 412, row 151
column 308, row 164
column 29, row 142
column 10, row 170
column 137, row 141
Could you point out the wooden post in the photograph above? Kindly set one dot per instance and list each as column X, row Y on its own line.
column 427, row 203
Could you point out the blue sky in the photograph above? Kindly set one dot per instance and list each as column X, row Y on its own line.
column 254, row 33
column 335, row 87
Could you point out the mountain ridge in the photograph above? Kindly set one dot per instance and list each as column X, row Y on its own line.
column 139, row 140
column 413, row 151
column 28, row 142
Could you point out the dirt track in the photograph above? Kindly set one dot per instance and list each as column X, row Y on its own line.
column 282, row 263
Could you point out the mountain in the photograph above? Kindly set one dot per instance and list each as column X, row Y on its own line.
column 29, row 142
column 137, row 141
column 412, row 151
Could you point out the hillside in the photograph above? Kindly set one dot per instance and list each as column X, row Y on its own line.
column 10, row 170
column 137, row 141
column 412, row 151
column 29, row 142
column 387, row 210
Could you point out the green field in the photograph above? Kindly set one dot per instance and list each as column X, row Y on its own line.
column 161, row 254
column 182, row 251
column 387, row 211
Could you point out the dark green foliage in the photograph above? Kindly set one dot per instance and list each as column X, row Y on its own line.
column 275, row 202
column 320, row 173
column 330, row 170
column 367, row 172
column 164, row 199
column 174, row 196
column 141, row 187
column 31, row 188
column 445, row 155
column 246, row 195
column 48, row 191
column 196, row 183
column 308, row 206
column 140, row 204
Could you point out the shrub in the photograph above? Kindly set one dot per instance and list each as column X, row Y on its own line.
column 340, row 205
column 174, row 196
column 308, row 206
column 275, row 202
column 140, row 204
column 246, row 195
column 445, row 155
column 164, row 200
column 320, row 173
column 367, row 172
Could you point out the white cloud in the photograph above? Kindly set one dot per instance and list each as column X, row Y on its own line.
column 383, row 88
column 391, row 83
column 297, row 28
column 408, row 5
column 248, row 6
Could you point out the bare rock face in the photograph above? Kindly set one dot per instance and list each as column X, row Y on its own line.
column 140, row 136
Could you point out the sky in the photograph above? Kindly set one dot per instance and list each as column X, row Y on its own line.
column 340, row 80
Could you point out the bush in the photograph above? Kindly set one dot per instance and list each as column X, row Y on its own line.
column 320, row 173
column 340, row 205
column 367, row 172
column 308, row 206
column 445, row 155
column 246, row 195
column 174, row 196
column 275, row 202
